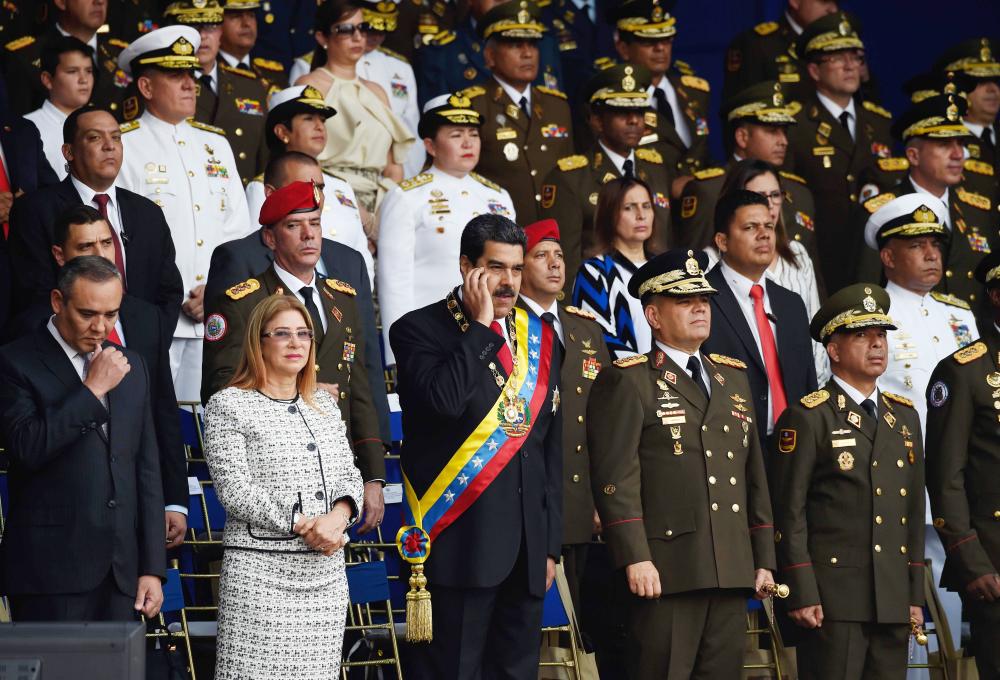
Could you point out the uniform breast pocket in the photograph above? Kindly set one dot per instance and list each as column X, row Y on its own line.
column 669, row 526
column 162, row 195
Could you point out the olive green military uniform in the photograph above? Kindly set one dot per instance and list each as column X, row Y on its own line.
column 418, row 18
column 766, row 52
column 963, row 480
column 694, row 96
column 981, row 175
column 272, row 73
column 342, row 348
column 518, row 151
column 239, row 108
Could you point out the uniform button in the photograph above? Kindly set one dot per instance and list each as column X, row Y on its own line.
column 899, row 463
column 715, row 506
column 576, row 478
column 243, row 155
column 704, row 428
column 902, row 520
column 878, row 548
column 972, row 297
column 729, row 455
column 732, row 480
column 833, row 560
column 798, row 237
column 878, row 491
column 114, row 459
column 925, row 311
column 292, row 409
column 343, row 395
column 112, row 504
column 465, row 193
column 947, row 272
column 935, row 339
column 239, row 132
column 533, row 172
column 543, row 148
column 996, row 514
column 199, row 277
column 579, row 448
column 902, row 492
column 340, row 367
column 157, row 190
column 320, row 495
column 736, row 507
column 114, row 106
column 725, row 428
column 668, row 533
column 708, row 453
column 850, row 178
column 190, row 173
column 311, row 446
column 902, row 549
column 874, row 463
column 711, row 480
column 200, row 242
column 579, row 419
column 878, row 519
column 538, row 197
column 525, row 147
column 197, row 207
column 180, row 142
column 968, row 274
column 579, row 390
column 524, row 454
column 853, row 197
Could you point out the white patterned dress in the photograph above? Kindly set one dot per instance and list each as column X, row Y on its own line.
column 282, row 606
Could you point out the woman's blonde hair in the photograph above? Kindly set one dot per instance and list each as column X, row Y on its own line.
column 251, row 373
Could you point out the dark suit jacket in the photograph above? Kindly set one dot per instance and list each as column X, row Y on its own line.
column 732, row 336
column 143, row 335
column 27, row 167
column 445, row 389
column 82, row 503
column 150, row 269
column 243, row 258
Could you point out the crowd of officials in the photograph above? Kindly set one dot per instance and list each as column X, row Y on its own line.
column 675, row 379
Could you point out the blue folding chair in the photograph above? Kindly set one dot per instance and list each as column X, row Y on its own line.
column 370, row 614
column 556, row 622
column 755, row 608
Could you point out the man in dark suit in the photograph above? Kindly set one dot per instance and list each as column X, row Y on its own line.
column 24, row 167
column 754, row 319
column 84, row 540
column 238, row 260
column 144, row 249
column 478, row 383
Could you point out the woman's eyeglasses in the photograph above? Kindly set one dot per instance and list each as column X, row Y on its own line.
column 285, row 335
column 773, row 197
column 349, row 29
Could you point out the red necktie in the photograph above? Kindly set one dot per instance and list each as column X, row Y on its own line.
column 4, row 188
column 504, row 354
column 770, row 349
column 102, row 204
column 113, row 337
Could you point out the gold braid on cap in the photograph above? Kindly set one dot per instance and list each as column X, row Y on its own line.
column 854, row 318
column 993, row 274
column 939, row 126
column 762, row 112
column 834, row 41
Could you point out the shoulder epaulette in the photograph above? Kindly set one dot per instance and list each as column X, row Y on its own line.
column 206, row 127
column 876, row 109
column 572, row 163
column 582, row 313
column 970, row 353
column 129, row 126
column 269, row 64
column 602, row 63
column 118, row 42
column 696, row 83
column 973, row 199
column 394, row 54
column 418, row 181
column 873, row 204
column 238, row 71
column 766, row 28
column 792, row 176
column 709, row 173
column 899, row 399
column 552, row 91
column 259, row 178
column 814, row 399
column 683, row 67
column 241, row 290
column 649, row 155
column 341, row 287
column 633, row 360
column 949, row 299
column 307, row 57
column 442, row 38
column 485, row 182
column 979, row 167
column 727, row 361
column 15, row 45
column 474, row 91
column 894, row 164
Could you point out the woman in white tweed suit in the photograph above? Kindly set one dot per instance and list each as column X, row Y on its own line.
column 284, row 471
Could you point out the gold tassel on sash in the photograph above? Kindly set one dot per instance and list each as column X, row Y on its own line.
column 419, row 621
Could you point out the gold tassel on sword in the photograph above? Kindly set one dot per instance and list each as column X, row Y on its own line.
column 779, row 590
column 917, row 631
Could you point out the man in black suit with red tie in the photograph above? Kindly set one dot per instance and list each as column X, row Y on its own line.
column 482, row 457
column 85, row 538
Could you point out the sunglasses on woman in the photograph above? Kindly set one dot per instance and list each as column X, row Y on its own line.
column 349, row 29
column 285, row 335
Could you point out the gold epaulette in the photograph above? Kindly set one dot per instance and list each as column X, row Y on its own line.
column 814, row 399
column 259, row 178
column 269, row 65
column 876, row 109
column 683, row 67
column 118, row 42
column 15, row 45
column 572, row 163
column 949, row 299
column 766, row 28
column 341, row 287
column 602, row 63
column 238, row 71
column 474, row 91
column 709, row 173
column 873, row 204
column 894, row 164
column 442, row 38
column 485, row 182
column 792, row 176
column 899, row 399
column 394, row 54
column 726, row 361
column 582, row 313
column 206, row 127
column 552, row 91
column 696, row 83
column 649, row 155
column 418, row 181
column 307, row 57
column 979, row 167
column 241, row 290
column 633, row 360
column 129, row 126
column 970, row 353
column 973, row 199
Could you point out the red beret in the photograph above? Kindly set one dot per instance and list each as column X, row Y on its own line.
column 540, row 231
column 291, row 198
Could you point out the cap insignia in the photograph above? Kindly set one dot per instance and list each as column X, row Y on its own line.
column 691, row 265
column 844, row 28
column 778, row 99
column 985, row 54
column 924, row 214
column 523, row 16
column 628, row 82
column 869, row 304
column 952, row 111
column 182, row 47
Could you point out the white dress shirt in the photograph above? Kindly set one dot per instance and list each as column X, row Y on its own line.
column 49, row 121
column 679, row 123
column 835, row 111
column 92, row 43
column 856, row 394
column 233, row 61
column 791, row 22
column 514, row 94
column 214, row 75
column 294, row 285
column 681, row 358
column 618, row 160
column 553, row 310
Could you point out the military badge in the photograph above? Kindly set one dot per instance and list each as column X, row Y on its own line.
column 787, row 439
column 993, row 380
column 553, row 131
column 671, row 377
column 804, row 221
column 349, row 348
column 661, row 201
column 890, row 419
column 250, row 107
column 241, row 290
column 510, row 151
column 609, row 489
column 548, row 195
column 938, row 394
column 718, row 376
column 678, row 448
column 846, row 461
column 498, row 208
column 593, row 198
column 344, row 200
column 591, row 367
column 880, row 150
column 978, row 242
column 337, row 314
column 215, row 328
column 214, row 168
column 659, row 358
column 556, row 400
column 963, row 336
column 469, row 73
column 841, row 401
column 700, row 127
column 399, row 89
column 689, row 205
column 854, row 419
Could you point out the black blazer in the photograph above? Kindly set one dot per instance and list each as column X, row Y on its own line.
column 243, row 258
column 732, row 336
column 27, row 167
column 150, row 259
column 82, row 503
column 445, row 389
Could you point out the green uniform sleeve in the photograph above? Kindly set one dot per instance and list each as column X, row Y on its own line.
column 915, row 520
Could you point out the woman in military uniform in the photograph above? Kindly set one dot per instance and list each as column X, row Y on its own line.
column 422, row 219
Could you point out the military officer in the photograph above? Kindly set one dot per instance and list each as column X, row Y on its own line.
column 229, row 98
column 679, row 483
column 841, row 147
column 678, row 124
column 618, row 99
column 963, row 466
column 847, row 478
column 584, row 355
column 525, row 128
column 756, row 123
column 188, row 169
column 291, row 220
column 239, row 35
column 422, row 219
column 285, row 30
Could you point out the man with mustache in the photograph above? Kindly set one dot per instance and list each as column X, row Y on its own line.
column 847, row 481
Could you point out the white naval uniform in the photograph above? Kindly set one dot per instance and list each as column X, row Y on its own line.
column 340, row 218
column 395, row 76
column 49, row 121
column 420, row 230
column 190, row 172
